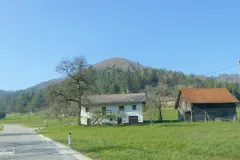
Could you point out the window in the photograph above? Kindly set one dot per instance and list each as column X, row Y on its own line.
column 121, row 108
column 134, row 107
column 87, row 109
column 104, row 110
column 144, row 104
column 109, row 111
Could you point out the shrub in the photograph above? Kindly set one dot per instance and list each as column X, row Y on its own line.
column 2, row 115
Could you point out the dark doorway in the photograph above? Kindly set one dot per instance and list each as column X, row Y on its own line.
column 188, row 116
column 119, row 120
column 133, row 119
column 89, row 122
column 104, row 110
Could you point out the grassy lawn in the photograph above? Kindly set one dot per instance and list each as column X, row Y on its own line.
column 238, row 113
column 168, row 114
column 33, row 120
column 170, row 141
column 173, row 141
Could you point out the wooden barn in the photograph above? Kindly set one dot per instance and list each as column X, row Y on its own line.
column 206, row 104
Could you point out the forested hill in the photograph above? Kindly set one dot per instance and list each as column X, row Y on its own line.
column 44, row 85
column 121, row 63
column 2, row 93
column 115, row 76
column 5, row 93
column 230, row 77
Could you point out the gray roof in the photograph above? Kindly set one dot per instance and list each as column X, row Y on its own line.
column 115, row 98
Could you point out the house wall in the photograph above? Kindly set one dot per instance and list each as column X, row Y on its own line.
column 114, row 108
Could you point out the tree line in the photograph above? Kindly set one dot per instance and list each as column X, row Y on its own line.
column 23, row 101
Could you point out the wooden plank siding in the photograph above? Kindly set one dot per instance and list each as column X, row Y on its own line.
column 208, row 112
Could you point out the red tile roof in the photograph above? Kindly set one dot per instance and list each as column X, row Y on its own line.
column 206, row 95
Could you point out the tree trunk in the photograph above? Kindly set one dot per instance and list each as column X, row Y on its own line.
column 160, row 114
column 79, row 113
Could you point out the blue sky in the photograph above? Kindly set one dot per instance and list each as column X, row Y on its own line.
column 190, row 36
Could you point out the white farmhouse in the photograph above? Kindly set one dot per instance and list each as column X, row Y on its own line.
column 113, row 109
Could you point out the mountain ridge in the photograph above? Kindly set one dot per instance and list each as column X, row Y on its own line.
column 118, row 62
column 124, row 64
column 230, row 77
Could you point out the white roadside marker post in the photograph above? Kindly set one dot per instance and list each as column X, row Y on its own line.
column 69, row 139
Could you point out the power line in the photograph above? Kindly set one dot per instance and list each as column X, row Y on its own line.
column 211, row 73
column 222, row 69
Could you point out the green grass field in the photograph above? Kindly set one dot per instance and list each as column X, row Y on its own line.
column 168, row 114
column 33, row 120
column 173, row 141
column 170, row 141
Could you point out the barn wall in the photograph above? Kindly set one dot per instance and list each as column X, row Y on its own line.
column 184, row 110
column 206, row 112
column 198, row 114
column 213, row 111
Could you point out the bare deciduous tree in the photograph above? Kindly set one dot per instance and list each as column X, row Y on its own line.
column 151, row 114
column 158, row 98
column 77, row 82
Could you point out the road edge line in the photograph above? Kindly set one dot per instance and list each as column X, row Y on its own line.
column 70, row 151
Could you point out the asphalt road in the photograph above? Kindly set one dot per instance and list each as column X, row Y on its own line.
column 27, row 145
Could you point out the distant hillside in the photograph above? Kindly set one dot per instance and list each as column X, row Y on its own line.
column 44, row 84
column 35, row 88
column 119, row 63
column 4, row 93
column 230, row 77
column 123, row 64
